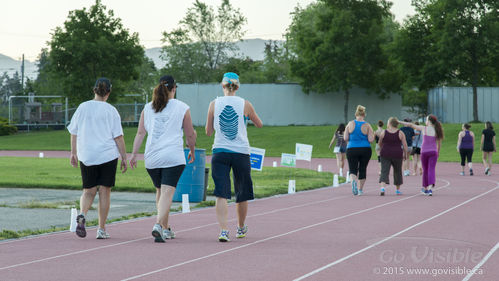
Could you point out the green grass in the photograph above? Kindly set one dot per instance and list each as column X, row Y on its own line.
column 56, row 173
column 275, row 140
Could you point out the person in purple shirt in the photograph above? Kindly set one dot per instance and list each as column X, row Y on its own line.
column 393, row 146
column 465, row 146
column 433, row 134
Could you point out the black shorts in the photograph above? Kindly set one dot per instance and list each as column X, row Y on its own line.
column 166, row 176
column 221, row 164
column 103, row 174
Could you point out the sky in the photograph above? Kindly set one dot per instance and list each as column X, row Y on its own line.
column 26, row 25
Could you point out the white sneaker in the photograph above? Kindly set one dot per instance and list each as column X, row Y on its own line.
column 341, row 172
column 157, row 233
column 168, row 233
column 102, row 234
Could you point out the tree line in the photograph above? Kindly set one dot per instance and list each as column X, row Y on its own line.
column 330, row 46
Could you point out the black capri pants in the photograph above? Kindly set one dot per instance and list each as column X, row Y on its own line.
column 466, row 154
column 358, row 159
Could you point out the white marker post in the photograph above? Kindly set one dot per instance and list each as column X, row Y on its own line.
column 336, row 182
column 292, row 187
column 347, row 176
column 72, row 225
column 319, row 168
column 274, row 164
column 41, row 155
column 186, row 208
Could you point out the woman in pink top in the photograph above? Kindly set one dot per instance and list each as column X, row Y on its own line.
column 433, row 135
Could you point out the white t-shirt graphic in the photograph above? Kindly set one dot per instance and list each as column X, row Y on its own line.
column 229, row 125
column 165, row 143
column 96, row 124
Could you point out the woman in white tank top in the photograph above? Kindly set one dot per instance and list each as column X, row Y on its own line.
column 164, row 120
column 227, row 117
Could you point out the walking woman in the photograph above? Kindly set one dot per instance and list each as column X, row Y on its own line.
column 97, row 142
column 488, row 144
column 227, row 117
column 465, row 145
column 164, row 120
column 340, row 148
column 377, row 134
column 393, row 147
column 433, row 135
column 416, row 152
column 359, row 136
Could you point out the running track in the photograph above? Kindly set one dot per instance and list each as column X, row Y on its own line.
column 324, row 234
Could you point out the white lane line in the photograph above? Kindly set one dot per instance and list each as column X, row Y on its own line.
column 394, row 235
column 489, row 254
column 45, row 235
column 277, row 236
column 185, row 230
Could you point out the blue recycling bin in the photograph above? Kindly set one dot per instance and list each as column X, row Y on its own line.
column 192, row 180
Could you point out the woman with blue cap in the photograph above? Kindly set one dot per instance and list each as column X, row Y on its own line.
column 227, row 117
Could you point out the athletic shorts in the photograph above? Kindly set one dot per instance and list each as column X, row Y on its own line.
column 221, row 164
column 103, row 174
column 166, row 176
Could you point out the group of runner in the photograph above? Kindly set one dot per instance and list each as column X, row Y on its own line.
column 395, row 146
column 97, row 143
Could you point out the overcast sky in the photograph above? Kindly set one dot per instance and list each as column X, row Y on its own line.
column 25, row 25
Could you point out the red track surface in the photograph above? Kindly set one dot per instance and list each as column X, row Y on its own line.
column 325, row 234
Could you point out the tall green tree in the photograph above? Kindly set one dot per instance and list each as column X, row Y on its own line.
column 10, row 86
column 339, row 44
column 452, row 40
column 203, row 41
column 91, row 44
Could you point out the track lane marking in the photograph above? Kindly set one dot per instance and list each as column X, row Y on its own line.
column 394, row 235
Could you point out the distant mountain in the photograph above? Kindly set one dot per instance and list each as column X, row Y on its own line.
column 10, row 65
column 252, row 48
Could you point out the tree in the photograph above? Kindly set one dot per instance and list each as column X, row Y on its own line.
column 147, row 80
column 276, row 63
column 203, row 41
column 450, row 40
column 10, row 86
column 338, row 44
column 92, row 43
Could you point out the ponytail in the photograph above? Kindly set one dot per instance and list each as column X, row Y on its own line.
column 160, row 96
column 438, row 127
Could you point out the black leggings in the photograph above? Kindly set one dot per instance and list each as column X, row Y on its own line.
column 466, row 154
column 358, row 158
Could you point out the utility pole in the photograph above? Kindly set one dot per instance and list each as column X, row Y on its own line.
column 22, row 73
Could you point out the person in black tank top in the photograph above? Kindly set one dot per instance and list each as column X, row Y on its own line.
column 488, row 145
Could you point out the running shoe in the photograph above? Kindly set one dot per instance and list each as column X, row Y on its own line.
column 461, row 173
column 102, row 234
column 157, row 233
column 471, row 172
column 80, row 226
column 241, row 231
column 168, row 233
column 424, row 191
column 487, row 170
column 430, row 193
column 398, row 192
column 355, row 191
column 360, row 192
column 382, row 193
column 224, row 236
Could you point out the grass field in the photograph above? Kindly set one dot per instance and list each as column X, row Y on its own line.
column 58, row 174
column 275, row 140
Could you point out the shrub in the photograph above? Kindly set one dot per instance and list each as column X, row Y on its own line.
column 5, row 128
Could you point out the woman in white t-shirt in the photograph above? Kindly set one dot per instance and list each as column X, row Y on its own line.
column 97, row 142
column 164, row 120
column 227, row 117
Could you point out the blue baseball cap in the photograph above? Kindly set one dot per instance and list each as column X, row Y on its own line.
column 230, row 76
